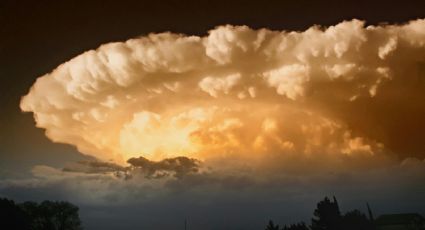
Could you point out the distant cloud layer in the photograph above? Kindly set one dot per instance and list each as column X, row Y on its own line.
column 347, row 93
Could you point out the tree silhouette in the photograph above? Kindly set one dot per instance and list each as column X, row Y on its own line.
column 355, row 220
column 12, row 216
column 49, row 215
column 327, row 216
column 298, row 226
column 34, row 214
column 272, row 226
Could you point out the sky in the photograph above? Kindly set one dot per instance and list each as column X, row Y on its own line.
column 226, row 114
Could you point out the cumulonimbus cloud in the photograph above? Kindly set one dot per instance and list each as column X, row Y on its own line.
column 347, row 90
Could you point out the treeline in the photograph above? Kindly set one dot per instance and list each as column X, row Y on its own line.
column 327, row 216
column 47, row 215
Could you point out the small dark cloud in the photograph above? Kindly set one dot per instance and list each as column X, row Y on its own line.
column 177, row 166
column 99, row 167
column 94, row 167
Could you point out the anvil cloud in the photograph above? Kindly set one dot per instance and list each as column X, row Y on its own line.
column 348, row 90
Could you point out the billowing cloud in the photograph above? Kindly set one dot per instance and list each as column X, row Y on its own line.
column 346, row 91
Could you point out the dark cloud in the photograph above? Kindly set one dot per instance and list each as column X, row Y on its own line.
column 177, row 166
column 93, row 167
column 98, row 167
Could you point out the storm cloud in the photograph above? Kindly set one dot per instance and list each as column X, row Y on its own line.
column 346, row 89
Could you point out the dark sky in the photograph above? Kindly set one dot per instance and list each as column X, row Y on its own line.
column 37, row 36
